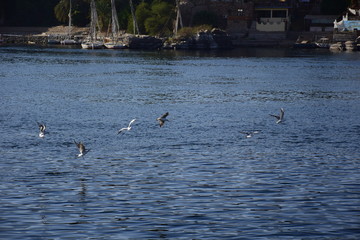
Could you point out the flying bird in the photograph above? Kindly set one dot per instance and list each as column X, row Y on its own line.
column 127, row 128
column 42, row 128
column 280, row 117
column 162, row 119
column 81, row 148
column 249, row 134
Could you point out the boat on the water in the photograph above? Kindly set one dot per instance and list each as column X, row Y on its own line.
column 69, row 40
column 114, row 42
column 337, row 46
column 92, row 45
column 323, row 42
column 350, row 45
column 115, row 45
column 92, row 42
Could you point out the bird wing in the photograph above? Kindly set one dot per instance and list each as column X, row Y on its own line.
column 275, row 116
column 164, row 115
column 77, row 144
column 131, row 122
column 41, row 126
column 121, row 130
column 282, row 112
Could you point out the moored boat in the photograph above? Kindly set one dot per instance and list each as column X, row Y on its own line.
column 350, row 45
column 114, row 42
column 92, row 42
column 92, row 45
column 323, row 42
column 115, row 45
column 337, row 46
column 69, row 40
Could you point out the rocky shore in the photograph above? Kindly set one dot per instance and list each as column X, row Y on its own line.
column 203, row 39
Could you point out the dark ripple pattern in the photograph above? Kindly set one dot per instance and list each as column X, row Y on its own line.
column 197, row 177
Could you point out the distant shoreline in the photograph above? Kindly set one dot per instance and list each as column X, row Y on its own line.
column 40, row 36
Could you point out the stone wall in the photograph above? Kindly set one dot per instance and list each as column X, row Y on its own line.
column 23, row 39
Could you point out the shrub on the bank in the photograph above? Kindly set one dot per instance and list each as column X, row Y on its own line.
column 188, row 32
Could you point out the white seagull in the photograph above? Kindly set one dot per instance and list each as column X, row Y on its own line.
column 42, row 128
column 127, row 128
column 162, row 119
column 250, row 134
column 81, row 148
column 279, row 118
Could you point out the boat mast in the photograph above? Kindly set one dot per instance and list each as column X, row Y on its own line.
column 114, row 20
column 69, row 15
column 94, row 21
column 178, row 17
column 135, row 25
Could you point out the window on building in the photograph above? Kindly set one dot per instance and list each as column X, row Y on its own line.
column 263, row 13
column 240, row 12
column 279, row 14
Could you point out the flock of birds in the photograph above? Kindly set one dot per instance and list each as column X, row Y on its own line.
column 81, row 147
column 162, row 119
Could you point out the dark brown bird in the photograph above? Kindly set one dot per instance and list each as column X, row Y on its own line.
column 162, row 119
column 81, row 148
column 280, row 117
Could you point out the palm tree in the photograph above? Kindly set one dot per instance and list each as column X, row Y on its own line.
column 61, row 10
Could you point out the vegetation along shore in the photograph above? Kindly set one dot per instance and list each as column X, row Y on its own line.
column 179, row 24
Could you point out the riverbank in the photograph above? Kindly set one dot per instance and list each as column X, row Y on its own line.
column 205, row 40
column 43, row 36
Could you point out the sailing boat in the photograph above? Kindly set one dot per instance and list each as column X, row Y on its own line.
column 178, row 21
column 68, row 40
column 135, row 25
column 92, row 42
column 114, row 43
column 178, row 18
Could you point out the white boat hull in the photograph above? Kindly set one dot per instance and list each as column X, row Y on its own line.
column 68, row 42
column 115, row 45
column 92, row 45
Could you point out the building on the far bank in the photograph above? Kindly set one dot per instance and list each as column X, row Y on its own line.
column 347, row 26
column 319, row 23
column 272, row 16
column 350, row 21
column 237, row 16
column 232, row 15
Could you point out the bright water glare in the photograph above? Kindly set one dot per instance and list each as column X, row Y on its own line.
column 197, row 177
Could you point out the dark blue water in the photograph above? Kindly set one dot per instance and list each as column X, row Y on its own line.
column 197, row 177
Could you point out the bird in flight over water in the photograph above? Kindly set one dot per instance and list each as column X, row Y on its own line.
column 126, row 128
column 42, row 128
column 162, row 119
column 279, row 117
column 81, row 148
column 249, row 134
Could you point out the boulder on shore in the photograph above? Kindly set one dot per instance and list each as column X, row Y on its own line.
column 203, row 39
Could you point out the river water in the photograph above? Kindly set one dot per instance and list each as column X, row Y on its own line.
column 198, row 176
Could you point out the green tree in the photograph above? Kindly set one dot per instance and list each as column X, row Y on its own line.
column 80, row 12
column 161, row 20
column 153, row 16
column 103, row 8
column 61, row 11
column 142, row 12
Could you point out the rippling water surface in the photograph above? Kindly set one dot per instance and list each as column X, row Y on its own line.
column 197, row 177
